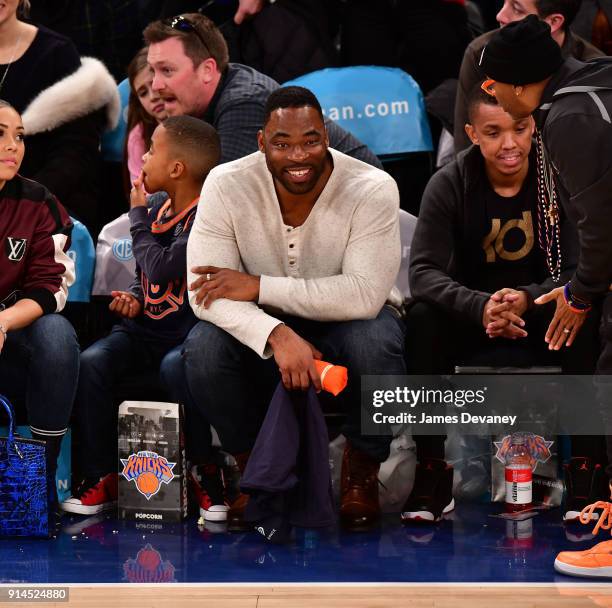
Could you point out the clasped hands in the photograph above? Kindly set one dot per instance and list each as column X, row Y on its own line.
column 503, row 317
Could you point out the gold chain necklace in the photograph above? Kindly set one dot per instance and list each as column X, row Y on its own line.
column 549, row 220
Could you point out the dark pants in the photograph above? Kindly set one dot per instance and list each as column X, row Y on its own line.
column 104, row 364
column 39, row 366
column 233, row 385
column 436, row 342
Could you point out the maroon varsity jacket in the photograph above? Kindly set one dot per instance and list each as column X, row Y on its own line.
column 34, row 239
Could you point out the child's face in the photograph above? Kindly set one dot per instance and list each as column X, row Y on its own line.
column 157, row 165
column 504, row 142
column 149, row 99
column 11, row 144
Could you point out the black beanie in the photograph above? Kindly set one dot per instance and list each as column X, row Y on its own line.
column 523, row 52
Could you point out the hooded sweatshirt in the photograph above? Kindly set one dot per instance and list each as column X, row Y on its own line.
column 575, row 120
column 455, row 263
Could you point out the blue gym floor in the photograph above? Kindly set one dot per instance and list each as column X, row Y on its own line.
column 469, row 547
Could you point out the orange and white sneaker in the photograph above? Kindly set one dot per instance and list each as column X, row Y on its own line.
column 595, row 562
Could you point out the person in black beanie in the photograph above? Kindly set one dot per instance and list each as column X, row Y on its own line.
column 559, row 14
column 571, row 102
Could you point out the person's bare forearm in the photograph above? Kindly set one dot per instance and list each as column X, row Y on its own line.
column 20, row 315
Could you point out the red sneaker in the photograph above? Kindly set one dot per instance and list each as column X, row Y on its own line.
column 93, row 495
column 209, row 489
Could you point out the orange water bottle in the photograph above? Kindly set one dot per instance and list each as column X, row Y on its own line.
column 518, row 474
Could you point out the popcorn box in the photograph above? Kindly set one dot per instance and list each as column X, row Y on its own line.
column 151, row 464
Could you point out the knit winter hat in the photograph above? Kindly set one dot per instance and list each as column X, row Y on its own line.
column 523, row 52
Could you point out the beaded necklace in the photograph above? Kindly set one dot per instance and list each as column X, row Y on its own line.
column 548, row 212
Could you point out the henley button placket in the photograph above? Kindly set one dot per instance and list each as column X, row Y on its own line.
column 291, row 255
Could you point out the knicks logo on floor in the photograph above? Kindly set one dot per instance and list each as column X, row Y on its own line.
column 148, row 567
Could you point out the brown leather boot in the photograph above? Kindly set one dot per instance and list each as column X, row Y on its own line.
column 359, row 506
column 235, row 515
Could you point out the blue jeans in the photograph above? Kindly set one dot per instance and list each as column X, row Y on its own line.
column 103, row 365
column 39, row 366
column 233, row 385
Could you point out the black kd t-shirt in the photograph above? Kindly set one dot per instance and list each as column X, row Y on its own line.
column 503, row 248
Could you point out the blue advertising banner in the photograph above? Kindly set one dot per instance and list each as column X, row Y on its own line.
column 382, row 107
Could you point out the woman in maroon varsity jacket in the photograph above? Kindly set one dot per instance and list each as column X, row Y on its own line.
column 39, row 353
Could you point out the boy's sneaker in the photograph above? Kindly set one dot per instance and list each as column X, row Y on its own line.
column 595, row 562
column 432, row 493
column 93, row 495
column 209, row 489
column 583, row 483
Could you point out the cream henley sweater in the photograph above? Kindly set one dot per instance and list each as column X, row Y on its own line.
column 339, row 265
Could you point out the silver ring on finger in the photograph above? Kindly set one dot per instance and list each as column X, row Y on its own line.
column 566, row 330
column 208, row 276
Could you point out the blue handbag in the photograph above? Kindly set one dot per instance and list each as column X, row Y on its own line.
column 24, row 487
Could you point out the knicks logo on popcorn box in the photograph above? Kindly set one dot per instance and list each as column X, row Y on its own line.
column 151, row 461
column 148, row 471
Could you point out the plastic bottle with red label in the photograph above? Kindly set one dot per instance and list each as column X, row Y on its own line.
column 518, row 474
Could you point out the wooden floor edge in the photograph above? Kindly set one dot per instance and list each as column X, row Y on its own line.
column 162, row 595
column 320, row 586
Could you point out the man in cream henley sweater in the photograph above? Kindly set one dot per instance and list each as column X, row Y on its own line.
column 293, row 256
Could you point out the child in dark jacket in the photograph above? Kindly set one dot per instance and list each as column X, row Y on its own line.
column 155, row 312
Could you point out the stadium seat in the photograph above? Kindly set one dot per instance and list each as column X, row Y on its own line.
column 384, row 108
column 407, row 227
column 78, row 306
column 115, row 264
column 112, row 141
column 113, row 178
column 83, row 255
